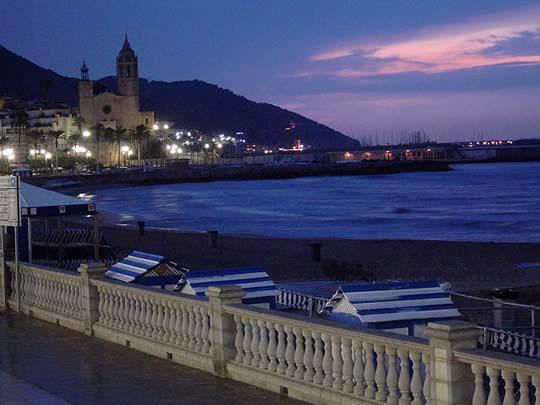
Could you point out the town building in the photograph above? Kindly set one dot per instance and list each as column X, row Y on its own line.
column 113, row 109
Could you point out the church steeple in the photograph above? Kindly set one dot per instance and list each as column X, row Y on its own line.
column 127, row 70
column 84, row 71
column 126, row 46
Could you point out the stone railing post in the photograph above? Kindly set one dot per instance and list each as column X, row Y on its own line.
column 452, row 382
column 223, row 325
column 3, row 281
column 89, row 293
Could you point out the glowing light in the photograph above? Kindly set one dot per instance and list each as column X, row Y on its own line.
column 48, row 155
column 219, row 145
column 86, row 133
column 88, row 154
column 206, row 146
column 124, row 148
column 155, row 127
column 7, row 152
column 166, row 126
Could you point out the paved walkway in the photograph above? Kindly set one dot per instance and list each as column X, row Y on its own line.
column 42, row 363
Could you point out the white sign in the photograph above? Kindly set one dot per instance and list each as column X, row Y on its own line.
column 9, row 201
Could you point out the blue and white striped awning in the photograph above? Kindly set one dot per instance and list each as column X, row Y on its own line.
column 396, row 301
column 133, row 265
column 255, row 281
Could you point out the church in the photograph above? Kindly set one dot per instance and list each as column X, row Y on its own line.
column 98, row 104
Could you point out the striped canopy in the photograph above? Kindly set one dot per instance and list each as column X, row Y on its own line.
column 255, row 281
column 395, row 301
column 134, row 265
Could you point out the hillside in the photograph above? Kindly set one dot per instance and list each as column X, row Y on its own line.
column 189, row 104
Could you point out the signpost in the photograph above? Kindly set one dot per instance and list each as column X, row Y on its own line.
column 10, row 215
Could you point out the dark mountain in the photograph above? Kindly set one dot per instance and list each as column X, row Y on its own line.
column 189, row 104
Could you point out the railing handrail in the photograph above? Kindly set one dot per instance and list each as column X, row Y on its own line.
column 499, row 360
column 506, row 332
column 512, row 304
column 163, row 294
column 328, row 326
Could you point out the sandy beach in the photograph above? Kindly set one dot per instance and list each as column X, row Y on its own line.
column 468, row 265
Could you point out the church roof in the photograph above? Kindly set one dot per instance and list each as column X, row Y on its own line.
column 126, row 46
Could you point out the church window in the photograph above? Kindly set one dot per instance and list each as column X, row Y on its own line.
column 146, row 121
column 128, row 71
column 107, row 109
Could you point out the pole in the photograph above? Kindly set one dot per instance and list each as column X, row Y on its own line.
column 96, row 238
column 17, row 281
column 29, row 240
column 533, row 323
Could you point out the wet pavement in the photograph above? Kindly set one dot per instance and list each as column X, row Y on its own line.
column 41, row 363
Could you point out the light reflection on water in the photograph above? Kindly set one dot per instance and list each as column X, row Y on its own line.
column 476, row 202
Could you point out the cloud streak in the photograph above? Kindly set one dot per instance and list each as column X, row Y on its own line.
column 475, row 43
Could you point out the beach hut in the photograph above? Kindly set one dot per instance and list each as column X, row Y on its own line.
column 146, row 269
column 395, row 306
column 259, row 288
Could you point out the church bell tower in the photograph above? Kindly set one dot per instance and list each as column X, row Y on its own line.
column 127, row 72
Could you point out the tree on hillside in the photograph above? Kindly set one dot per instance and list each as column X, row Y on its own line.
column 140, row 135
column 55, row 136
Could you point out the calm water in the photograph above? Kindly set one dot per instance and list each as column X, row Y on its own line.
column 482, row 202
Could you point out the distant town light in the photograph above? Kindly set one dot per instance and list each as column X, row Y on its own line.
column 7, row 151
column 88, row 154
column 166, row 126
column 206, row 146
column 86, row 133
column 124, row 149
column 155, row 127
column 219, row 145
column 48, row 155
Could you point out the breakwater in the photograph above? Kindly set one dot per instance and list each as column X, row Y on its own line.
column 245, row 172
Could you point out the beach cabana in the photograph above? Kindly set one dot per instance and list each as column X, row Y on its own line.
column 146, row 269
column 41, row 206
column 259, row 288
column 396, row 306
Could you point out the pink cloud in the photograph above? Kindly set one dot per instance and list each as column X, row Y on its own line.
column 438, row 49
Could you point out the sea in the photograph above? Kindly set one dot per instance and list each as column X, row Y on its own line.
column 488, row 202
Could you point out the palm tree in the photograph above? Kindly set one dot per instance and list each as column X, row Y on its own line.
column 78, row 122
column 36, row 136
column 140, row 134
column 98, row 131
column 117, row 137
column 20, row 120
column 4, row 140
column 55, row 137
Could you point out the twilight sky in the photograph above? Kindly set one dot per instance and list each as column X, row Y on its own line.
column 458, row 69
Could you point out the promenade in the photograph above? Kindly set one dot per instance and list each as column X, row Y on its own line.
column 42, row 363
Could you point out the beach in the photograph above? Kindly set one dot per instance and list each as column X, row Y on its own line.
column 469, row 266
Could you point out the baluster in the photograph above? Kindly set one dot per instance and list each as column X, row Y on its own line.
column 191, row 327
column 239, row 339
column 380, row 374
column 327, row 360
column 263, row 345
column 171, row 322
column 127, row 310
column 178, row 312
column 148, row 329
column 22, row 295
column 248, row 356
column 198, row 329
column 280, row 351
column 289, row 352
column 130, row 312
column 369, row 371
column 508, row 378
column 427, row 379
column 101, row 306
column 347, row 365
column 337, row 363
column 154, row 318
column 13, row 287
column 113, row 308
column 318, row 358
column 272, row 347
column 160, row 318
column 494, row 397
column 185, row 326
column 106, row 307
column 166, row 332
column 416, row 382
column 524, row 391
column 124, row 311
column 205, row 332
column 299, row 354
column 55, row 301
column 137, row 315
column 392, row 376
column 536, row 384
column 255, row 343
column 78, row 300
column 479, row 396
column 404, row 381
column 308, row 355
column 358, row 368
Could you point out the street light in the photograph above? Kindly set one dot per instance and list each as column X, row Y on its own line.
column 155, row 127
column 86, row 133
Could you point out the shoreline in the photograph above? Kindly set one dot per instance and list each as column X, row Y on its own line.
column 467, row 265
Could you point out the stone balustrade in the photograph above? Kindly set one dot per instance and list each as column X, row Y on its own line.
column 372, row 366
column 313, row 360
column 47, row 290
column 500, row 379
column 168, row 318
